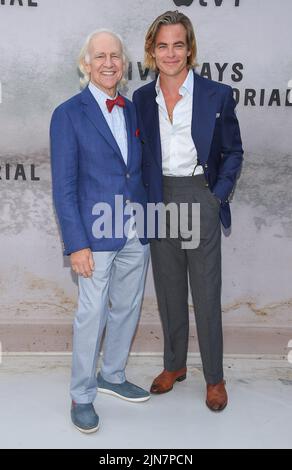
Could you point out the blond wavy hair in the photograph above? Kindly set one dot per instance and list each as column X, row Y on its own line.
column 169, row 18
column 84, row 58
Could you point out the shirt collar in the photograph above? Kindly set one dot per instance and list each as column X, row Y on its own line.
column 100, row 95
column 187, row 86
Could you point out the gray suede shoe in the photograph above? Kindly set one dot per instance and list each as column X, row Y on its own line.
column 126, row 390
column 84, row 417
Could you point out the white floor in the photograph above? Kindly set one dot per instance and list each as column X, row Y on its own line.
column 35, row 407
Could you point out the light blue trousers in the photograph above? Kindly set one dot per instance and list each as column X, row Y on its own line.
column 111, row 300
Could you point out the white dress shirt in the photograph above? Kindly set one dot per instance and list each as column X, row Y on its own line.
column 179, row 154
column 115, row 119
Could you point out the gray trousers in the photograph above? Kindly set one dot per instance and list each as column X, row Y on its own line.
column 171, row 265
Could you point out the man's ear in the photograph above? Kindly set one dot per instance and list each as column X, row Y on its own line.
column 87, row 67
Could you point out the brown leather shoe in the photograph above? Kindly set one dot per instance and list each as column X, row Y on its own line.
column 164, row 381
column 216, row 396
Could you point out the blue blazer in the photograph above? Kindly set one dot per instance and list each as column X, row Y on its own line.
column 215, row 133
column 88, row 167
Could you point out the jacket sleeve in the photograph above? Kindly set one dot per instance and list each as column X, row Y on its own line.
column 64, row 164
column 136, row 106
column 231, row 152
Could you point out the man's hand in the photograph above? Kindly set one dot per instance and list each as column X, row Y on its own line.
column 82, row 262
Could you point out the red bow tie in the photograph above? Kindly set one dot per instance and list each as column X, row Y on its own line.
column 119, row 100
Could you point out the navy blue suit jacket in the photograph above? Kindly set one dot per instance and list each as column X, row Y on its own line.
column 88, row 167
column 215, row 132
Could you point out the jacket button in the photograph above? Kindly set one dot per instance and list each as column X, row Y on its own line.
column 207, row 185
column 128, row 175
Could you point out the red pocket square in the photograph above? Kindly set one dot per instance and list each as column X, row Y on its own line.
column 137, row 133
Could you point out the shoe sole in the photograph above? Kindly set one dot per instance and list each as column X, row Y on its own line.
column 179, row 379
column 115, row 394
column 87, row 431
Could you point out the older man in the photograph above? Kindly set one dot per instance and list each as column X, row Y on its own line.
column 192, row 154
column 96, row 156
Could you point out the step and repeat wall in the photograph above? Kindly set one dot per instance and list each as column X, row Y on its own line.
column 243, row 43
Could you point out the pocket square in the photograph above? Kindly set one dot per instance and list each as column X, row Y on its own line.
column 218, row 115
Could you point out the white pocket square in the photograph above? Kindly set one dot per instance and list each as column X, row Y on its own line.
column 217, row 115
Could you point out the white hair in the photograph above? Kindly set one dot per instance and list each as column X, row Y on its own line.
column 84, row 58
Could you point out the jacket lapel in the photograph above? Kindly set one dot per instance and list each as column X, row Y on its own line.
column 94, row 114
column 130, row 129
column 204, row 117
column 151, row 117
